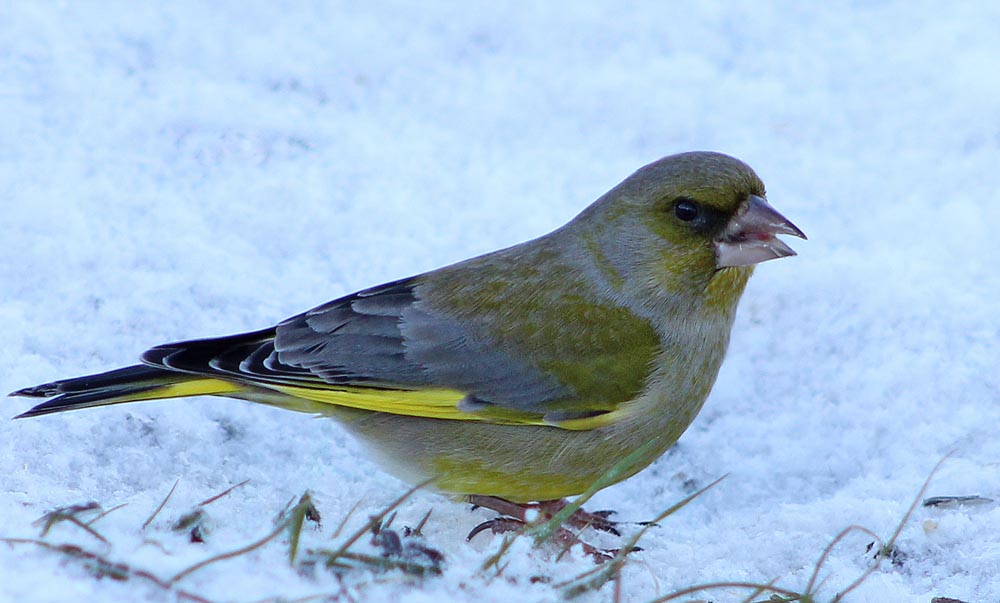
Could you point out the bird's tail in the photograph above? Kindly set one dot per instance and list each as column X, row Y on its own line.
column 130, row 384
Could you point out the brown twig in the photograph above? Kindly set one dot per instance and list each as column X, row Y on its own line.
column 212, row 499
column 163, row 503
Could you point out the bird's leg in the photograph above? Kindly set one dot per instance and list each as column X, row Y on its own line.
column 503, row 506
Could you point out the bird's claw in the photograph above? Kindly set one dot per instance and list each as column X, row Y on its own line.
column 497, row 525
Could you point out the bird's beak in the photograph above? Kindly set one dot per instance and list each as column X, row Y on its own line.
column 750, row 236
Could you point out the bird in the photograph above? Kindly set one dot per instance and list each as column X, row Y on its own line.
column 515, row 378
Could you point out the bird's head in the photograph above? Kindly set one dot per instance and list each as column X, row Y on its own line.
column 687, row 219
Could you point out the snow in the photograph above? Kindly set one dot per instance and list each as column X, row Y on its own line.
column 179, row 170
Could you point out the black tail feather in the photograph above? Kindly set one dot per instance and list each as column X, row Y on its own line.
column 96, row 390
column 130, row 374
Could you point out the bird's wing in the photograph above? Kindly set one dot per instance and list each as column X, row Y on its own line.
column 381, row 349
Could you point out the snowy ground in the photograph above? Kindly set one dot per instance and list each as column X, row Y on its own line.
column 171, row 171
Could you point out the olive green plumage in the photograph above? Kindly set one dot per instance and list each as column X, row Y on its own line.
column 526, row 373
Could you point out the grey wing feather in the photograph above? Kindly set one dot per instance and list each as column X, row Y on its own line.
column 385, row 337
column 355, row 340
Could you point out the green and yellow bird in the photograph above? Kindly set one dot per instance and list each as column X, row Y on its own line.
column 520, row 375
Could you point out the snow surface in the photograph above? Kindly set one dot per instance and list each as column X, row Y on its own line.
column 178, row 170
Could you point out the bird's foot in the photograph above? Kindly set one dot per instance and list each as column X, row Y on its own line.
column 515, row 516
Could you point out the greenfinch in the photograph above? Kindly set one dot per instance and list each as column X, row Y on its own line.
column 521, row 375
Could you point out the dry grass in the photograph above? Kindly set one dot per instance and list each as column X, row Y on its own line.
column 391, row 552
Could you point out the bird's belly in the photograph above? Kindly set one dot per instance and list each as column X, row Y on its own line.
column 520, row 463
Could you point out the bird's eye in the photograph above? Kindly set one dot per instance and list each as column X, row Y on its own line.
column 685, row 209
